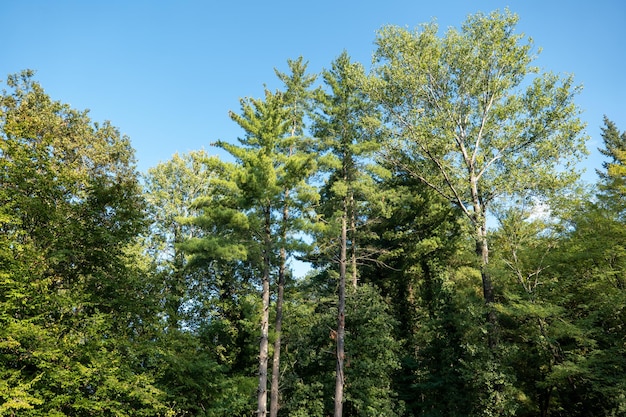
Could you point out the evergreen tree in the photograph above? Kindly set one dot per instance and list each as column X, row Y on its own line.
column 195, row 243
column 297, row 99
column 371, row 354
column 264, row 173
column 423, row 274
column 346, row 131
column 613, row 175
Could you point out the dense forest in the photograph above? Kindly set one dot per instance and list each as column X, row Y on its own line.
column 456, row 263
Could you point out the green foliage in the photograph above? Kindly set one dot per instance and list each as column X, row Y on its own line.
column 592, row 294
column 613, row 177
column 477, row 108
column 200, row 382
column 74, row 309
column 473, row 120
column 561, row 291
column 251, row 216
column 371, row 357
column 348, row 133
column 115, row 302
column 431, row 322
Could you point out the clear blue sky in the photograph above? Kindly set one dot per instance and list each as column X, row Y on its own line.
column 167, row 72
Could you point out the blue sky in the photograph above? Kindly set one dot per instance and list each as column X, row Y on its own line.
column 167, row 72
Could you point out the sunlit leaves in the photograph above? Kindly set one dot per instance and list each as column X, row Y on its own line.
column 70, row 299
column 469, row 104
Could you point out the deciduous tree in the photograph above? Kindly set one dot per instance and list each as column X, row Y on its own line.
column 76, row 308
column 475, row 120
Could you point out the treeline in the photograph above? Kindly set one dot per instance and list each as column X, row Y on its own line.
column 458, row 267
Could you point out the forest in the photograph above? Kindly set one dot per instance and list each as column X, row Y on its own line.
column 454, row 262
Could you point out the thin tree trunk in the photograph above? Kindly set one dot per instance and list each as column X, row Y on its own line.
column 341, row 322
column 274, row 393
column 264, row 342
column 263, row 349
column 353, row 245
column 482, row 251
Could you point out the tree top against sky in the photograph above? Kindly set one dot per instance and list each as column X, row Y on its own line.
column 168, row 73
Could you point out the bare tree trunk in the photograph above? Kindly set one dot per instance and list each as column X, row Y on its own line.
column 341, row 322
column 274, row 392
column 263, row 345
column 274, row 402
column 353, row 243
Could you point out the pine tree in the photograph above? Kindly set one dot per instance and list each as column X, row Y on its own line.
column 613, row 175
column 346, row 128
column 297, row 99
column 265, row 172
column 195, row 241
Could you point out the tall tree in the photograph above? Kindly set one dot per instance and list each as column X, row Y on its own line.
column 475, row 120
column 346, row 131
column 297, row 99
column 74, row 301
column 570, row 331
column 195, row 241
column 372, row 353
column 264, row 175
column 422, row 248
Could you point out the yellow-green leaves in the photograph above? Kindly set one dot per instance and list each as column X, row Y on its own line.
column 70, row 208
column 465, row 108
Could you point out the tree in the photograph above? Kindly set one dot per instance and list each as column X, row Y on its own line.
column 194, row 242
column 265, row 173
column 531, row 322
column 613, row 177
column 475, row 121
column 297, row 99
column 583, row 302
column 562, row 307
column 171, row 188
column 346, row 128
column 420, row 274
column 74, row 298
column 372, row 353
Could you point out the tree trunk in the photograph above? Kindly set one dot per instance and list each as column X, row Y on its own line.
column 263, row 345
column 341, row 322
column 353, row 241
column 274, row 403
column 482, row 252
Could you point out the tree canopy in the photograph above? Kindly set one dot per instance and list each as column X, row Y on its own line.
column 456, row 265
